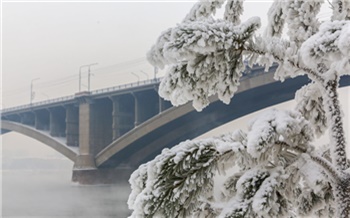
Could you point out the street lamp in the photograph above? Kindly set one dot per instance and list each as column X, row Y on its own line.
column 155, row 72
column 32, row 94
column 87, row 65
column 89, row 75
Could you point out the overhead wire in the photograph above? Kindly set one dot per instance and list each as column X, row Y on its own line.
column 63, row 81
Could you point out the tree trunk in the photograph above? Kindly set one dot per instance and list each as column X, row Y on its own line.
column 342, row 198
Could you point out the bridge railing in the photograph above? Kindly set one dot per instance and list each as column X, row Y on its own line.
column 55, row 100
column 71, row 97
column 125, row 86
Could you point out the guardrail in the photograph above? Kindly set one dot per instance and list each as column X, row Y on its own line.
column 95, row 92
column 125, row 86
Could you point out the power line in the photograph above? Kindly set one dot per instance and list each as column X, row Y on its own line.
column 116, row 67
column 63, row 81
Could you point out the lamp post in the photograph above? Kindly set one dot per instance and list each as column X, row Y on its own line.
column 87, row 65
column 32, row 94
column 155, row 72
column 89, row 75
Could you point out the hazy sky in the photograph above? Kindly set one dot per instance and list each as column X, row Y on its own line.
column 51, row 40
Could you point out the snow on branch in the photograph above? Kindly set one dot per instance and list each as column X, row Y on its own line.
column 320, row 203
column 341, row 10
column 276, row 20
column 203, row 9
column 330, row 46
column 179, row 180
column 233, row 11
column 316, row 196
column 206, row 59
column 190, row 39
column 258, row 195
column 301, row 19
column 275, row 125
column 310, row 105
column 285, row 53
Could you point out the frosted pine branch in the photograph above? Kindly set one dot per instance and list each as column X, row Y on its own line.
column 233, row 11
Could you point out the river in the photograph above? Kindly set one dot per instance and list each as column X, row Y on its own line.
column 50, row 194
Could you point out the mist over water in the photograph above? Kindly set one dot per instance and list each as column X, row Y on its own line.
column 36, row 183
column 51, row 194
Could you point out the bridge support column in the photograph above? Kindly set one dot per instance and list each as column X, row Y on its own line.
column 28, row 118
column 122, row 115
column 57, row 122
column 42, row 120
column 95, row 117
column 84, row 168
column 72, row 125
column 85, row 159
column 116, row 114
column 137, row 110
column 90, row 135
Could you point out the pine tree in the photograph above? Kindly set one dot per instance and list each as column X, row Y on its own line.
column 274, row 169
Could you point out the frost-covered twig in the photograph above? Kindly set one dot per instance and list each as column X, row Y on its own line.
column 337, row 136
column 327, row 167
column 295, row 148
column 311, row 73
column 325, row 164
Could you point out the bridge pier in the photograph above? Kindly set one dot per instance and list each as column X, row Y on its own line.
column 102, row 176
column 85, row 158
column 94, row 118
column 84, row 166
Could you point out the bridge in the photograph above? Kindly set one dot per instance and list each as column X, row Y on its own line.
column 108, row 133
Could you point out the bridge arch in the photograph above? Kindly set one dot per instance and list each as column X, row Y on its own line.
column 177, row 124
column 40, row 136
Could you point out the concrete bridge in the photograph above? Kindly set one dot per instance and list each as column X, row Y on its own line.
column 108, row 133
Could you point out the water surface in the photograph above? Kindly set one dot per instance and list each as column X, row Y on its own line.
column 51, row 194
